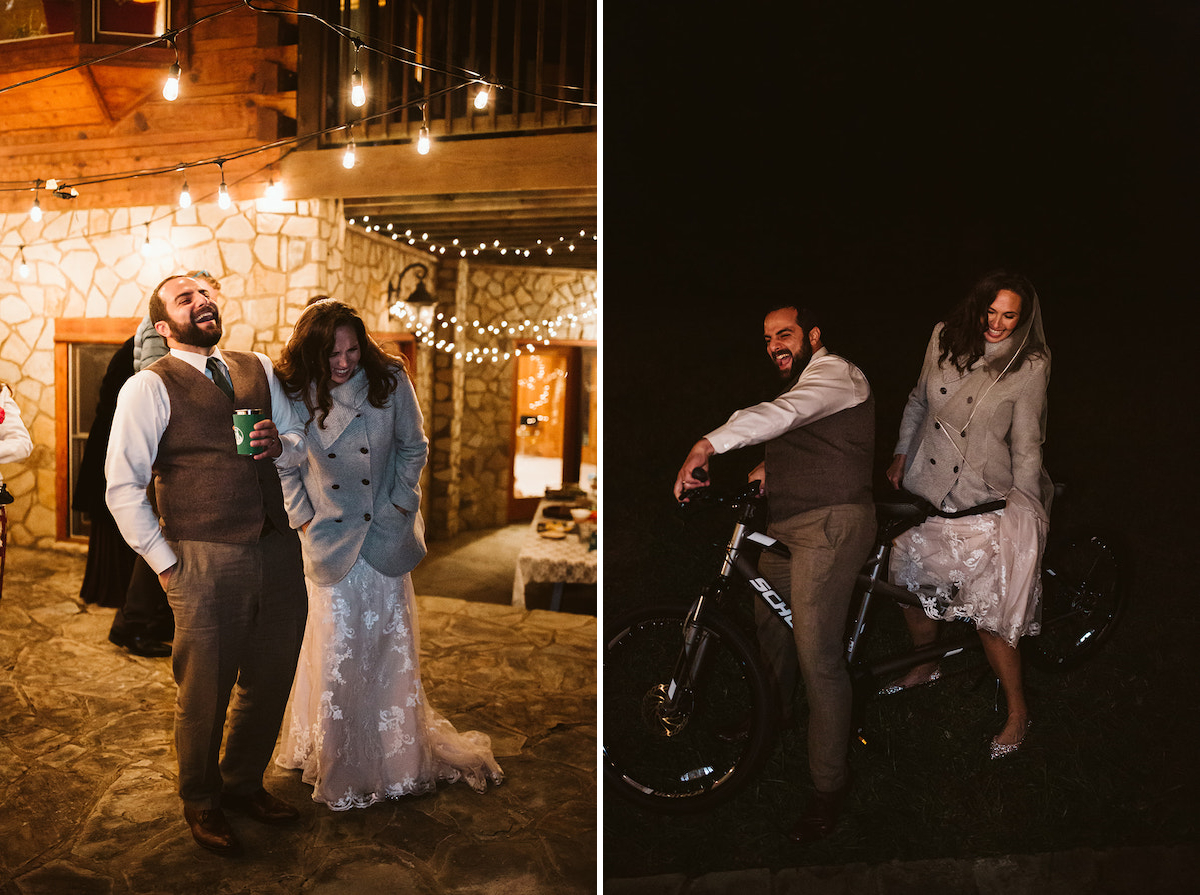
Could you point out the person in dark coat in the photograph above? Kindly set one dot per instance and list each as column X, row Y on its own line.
column 115, row 576
column 109, row 558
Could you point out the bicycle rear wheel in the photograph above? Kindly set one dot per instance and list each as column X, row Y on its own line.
column 1082, row 600
column 663, row 747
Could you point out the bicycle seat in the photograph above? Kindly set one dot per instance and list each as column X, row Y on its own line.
column 900, row 513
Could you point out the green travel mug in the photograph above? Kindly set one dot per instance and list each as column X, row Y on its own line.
column 243, row 422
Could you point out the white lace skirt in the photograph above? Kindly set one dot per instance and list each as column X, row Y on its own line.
column 358, row 724
column 986, row 568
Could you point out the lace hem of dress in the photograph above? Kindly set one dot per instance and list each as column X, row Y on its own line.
column 358, row 724
column 986, row 568
column 465, row 757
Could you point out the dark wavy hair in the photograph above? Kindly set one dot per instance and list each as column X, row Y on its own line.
column 962, row 341
column 805, row 317
column 303, row 368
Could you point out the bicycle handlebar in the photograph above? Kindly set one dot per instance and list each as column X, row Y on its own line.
column 914, row 503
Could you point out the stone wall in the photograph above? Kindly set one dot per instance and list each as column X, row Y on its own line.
column 271, row 258
column 505, row 298
column 96, row 263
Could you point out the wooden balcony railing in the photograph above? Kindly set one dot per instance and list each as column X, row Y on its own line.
column 418, row 58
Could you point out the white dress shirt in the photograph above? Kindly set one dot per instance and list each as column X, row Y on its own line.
column 15, row 443
column 828, row 384
column 143, row 411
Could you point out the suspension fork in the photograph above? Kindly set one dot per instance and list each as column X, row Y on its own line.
column 695, row 640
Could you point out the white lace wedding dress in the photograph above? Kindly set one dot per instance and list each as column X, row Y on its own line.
column 358, row 724
column 986, row 568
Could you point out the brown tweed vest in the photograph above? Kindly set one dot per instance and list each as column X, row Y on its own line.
column 205, row 490
column 825, row 463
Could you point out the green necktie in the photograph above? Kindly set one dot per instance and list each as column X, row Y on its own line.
column 219, row 376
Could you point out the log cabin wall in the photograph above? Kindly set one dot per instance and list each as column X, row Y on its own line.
column 237, row 92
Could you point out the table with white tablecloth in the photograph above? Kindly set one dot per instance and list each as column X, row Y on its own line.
column 558, row 561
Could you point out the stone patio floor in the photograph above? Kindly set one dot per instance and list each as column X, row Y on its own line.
column 88, row 774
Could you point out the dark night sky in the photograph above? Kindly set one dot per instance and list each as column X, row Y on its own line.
column 875, row 165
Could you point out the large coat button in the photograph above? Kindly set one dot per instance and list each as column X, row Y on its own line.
column 367, row 517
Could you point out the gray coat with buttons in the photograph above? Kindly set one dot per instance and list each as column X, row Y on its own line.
column 1001, row 447
column 361, row 469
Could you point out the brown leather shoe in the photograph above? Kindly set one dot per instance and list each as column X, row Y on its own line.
column 211, row 830
column 262, row 806
column 820, row 817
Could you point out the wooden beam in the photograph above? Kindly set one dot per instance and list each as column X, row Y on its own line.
column 557, row 161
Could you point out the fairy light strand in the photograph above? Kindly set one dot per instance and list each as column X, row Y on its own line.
column 484, row 87
column 461, row 249
column 503, row 339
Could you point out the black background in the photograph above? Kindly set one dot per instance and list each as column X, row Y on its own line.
column 873, row 160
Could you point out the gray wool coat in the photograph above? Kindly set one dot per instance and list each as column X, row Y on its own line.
column 364, row 464
column 1002, row 447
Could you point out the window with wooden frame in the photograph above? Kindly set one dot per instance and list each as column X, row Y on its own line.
column 88, row 21
column 83, row 348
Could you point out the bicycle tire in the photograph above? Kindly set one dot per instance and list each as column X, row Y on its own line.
column 1083, row 598
column 690, row 768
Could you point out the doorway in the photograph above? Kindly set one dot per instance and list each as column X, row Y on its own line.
column 554, row 427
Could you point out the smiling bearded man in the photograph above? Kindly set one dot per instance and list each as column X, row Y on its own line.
column 217, row 536
column 819, row 434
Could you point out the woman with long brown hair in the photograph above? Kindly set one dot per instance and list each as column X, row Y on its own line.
column 972, row 432
column 358, row 723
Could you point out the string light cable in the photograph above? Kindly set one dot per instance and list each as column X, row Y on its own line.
column 288, row 144
column 294, row 142
column 410, row 58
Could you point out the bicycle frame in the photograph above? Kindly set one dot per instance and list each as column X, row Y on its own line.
column 869, row 584
column 677, row 745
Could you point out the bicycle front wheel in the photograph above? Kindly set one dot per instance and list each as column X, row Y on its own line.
column 1082, row 600
column 669, row 712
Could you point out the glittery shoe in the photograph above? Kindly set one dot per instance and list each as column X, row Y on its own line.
column 898, row 686
column 1000, row 750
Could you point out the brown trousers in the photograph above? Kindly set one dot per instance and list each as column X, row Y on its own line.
column 240, row 611
column 829, row 546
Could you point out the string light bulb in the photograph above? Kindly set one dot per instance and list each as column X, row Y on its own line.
column 423, row 135
column 23, row 267
column 223, row 199
column 35, row 213
column 274, row 190
column 348, row 158
column 170, row 90
column 482, row 95
column 358, row 93
column 185, row 195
